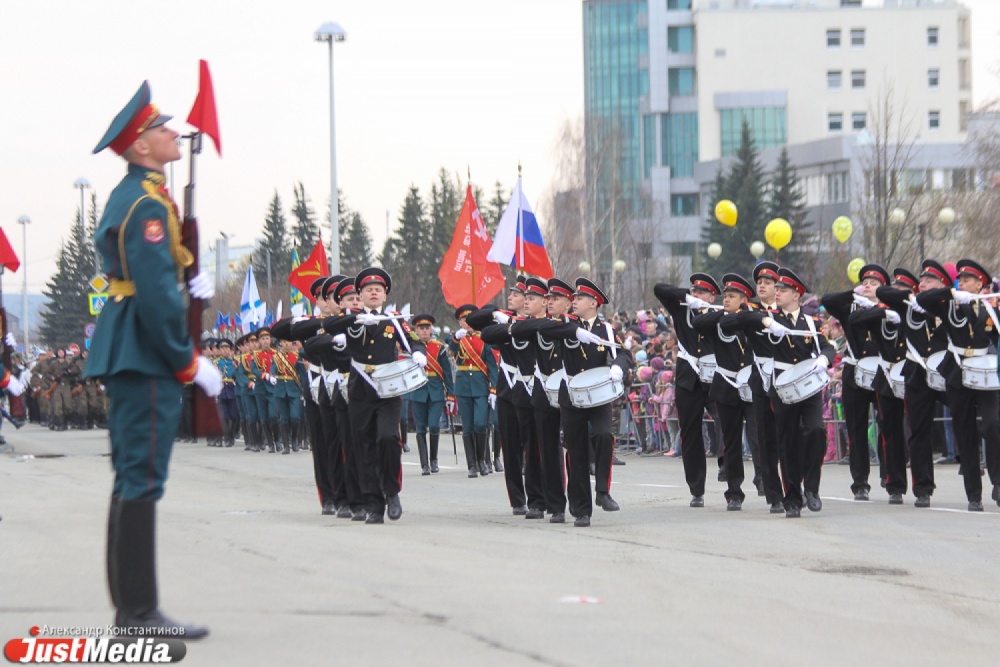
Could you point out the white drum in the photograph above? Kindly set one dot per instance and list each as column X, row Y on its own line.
column 398, row 378
column 766, row 369
column 743, row 384
column 552, row 385
column 865, row 371
column 896, row 380
column 981, row 373
column 344, row 378
column 314, row 388
column 594, row 387
column 706, row 368
column 801, row 381
column 935, row 380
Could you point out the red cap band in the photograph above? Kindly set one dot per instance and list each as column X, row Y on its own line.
column 740, row 287
column 559, row 290
column 535, row 289
column 139, row 124
column 906, row 280
column 373, row 278
column 982, row 277
column 767, row 273
column 876, row 275
column 791, row 282
column 583, row 289
column 937, row 274
column 704, row 285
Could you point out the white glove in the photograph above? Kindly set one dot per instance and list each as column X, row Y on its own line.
column 201, row 287
column 962, row 297
column 367, row 319
column 777, row 329
column 917, row 307
column 500, row 317
column 300, row 318
column 273, row 380
column 340, row 339
column 420, row 358
column 821, row 363
column 208, row 377
column 628, row 343
column 9, row 338
column 585, row 336
column 460, row 334
column 892, row 316
column 14, row 386
column 616, row 373
column 695, row 302
column 859, row 289
column 493, row 401
column 863, row 301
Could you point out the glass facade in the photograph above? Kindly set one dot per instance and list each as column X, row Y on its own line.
column 683, row 205
column 680, row 39
column 678, row 4
column 679, row 143
column 680, row 81
column 768, row 124
column 648, row 144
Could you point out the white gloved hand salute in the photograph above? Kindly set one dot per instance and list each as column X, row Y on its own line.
column 201, row 287
column 892, row 316
column 863, row 301
column 776, row 328
column 460, row 334
column 585, row 336
column 208, row 377
column 368, row 319
column 500, row 317
column 695, row 302
column 962, row 297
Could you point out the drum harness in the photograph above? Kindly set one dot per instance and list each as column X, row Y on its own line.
column 728, row 375
column 959, row 352
column 365, row 371
column 783, row 366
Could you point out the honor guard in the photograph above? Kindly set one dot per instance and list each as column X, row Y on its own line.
column 428, row 400
column 286, row 392
column 857, row 394
column 732, row 353
column 260, row 369
column 475, row 389
column 227, row 399
column 372, row 338
column 924, row 337
column 693, row 382
column 142, row 353
column 244, row 392
column 970, row 370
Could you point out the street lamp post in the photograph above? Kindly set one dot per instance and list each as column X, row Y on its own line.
column 332, row 32
column 945, row 217
column 83, row 184
column 24, row 221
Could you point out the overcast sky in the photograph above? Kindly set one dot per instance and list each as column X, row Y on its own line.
column 419, row 85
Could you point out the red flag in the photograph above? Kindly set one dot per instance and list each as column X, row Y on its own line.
column 8, row 258
column 314, row 266
column 203, row 115
column 466, row 275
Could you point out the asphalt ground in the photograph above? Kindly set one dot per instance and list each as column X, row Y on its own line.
column 459, row 580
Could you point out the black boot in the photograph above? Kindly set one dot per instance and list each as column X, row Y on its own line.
column 470, row 454
column 245, row 429
column 497, row 454
column 269, row 436
column 293, row 435
column 133, row 562
column 425, row 468
column 285, row 439
column 113, row 513
column 402, row 435
column 230, row 433
column 434, row 452
column 482, row 453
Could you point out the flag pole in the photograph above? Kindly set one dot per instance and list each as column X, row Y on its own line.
column 520, row 224
column 472, row 255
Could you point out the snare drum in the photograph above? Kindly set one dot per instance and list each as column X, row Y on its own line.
column 743, row 384
column 865, row 371
column 343, row 384
column 706, row 368
column 801, row 381
column 766, row 370
column 314, row 388
column 594, row 387
column 935, row 380
column 552, row 385
column 981, row 373
column 398, row 378
column 896, row 380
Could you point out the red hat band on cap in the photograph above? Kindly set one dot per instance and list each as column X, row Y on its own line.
column 535, row 289
column 979, row 275
column 906, row 280
column 560, row 291
column 583, row 289
column 139, row 124
column 791, row 282
column 422, row 322
column 740, row 287
column 701, row 284
column 937, row 274
column 874, row 274
column 767, row 273
column 373, row 279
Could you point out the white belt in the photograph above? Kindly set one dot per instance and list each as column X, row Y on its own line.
column 782, row 366
column 728, row 376
column 851, row 361
column 360, row 368
column 542, row 377
column 968, row 352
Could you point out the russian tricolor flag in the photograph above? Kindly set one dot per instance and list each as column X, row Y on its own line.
column 519, row 239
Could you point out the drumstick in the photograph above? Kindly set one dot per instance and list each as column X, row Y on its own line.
column 983, row 297
column 710, row 306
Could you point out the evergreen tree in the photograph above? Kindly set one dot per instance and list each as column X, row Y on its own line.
column 355, row 243
column 305, row 232
column 495, row 208
column 446, row 198
column 275, row 242
column 787, row 201
column 405, row 256
column 67, row 311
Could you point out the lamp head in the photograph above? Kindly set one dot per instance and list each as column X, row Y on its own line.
column 330, row 31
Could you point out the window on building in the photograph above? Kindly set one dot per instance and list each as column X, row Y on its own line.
column 933, row 77
column 678, row 4
column 858, row 120
column 835, row 121
column 833, row 38
column 850, row 3
column 963, row 115
column 932, row 35
column 680, row 81
column 679, row 143
column 768, row 124
column 933, row 120
column 833, row 79
column 857, row 79
column 857, row 37
column 683, row 205
column 680, row 39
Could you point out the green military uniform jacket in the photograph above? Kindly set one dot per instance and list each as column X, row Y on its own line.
column 440, row 380
column 469, row 379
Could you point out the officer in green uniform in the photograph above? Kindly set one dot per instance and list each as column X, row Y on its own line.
column 244, row 385
column 428, row 400
column 143, row 354
column 286, row 393
column 267, row 420
column 227, row 399
column 475, row 388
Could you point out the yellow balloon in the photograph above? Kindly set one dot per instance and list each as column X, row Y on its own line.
column 843, row 228
column 854, row 269
column 778, row 233
column 726, row 213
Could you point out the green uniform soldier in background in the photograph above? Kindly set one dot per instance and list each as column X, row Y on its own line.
column 286, row 394
column 428, row 400
column 475, row 388
column 142, row 353
column 61, row 405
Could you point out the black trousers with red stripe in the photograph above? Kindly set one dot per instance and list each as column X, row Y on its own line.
column 320, row 454
column 856, row 402
column 375, row 423
column 892, row 442
column 919, row 406
column 966, row 405
column 547, row 426
column 579, row 427
column 350, row 459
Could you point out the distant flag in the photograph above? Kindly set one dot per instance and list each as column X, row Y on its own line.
column 296, row 294
column 314, row 266
column 232, row 322
column 466, row 275
column 268, row 319
column 250, row 304
column 518, row 240
column 277, row 312
column 8, row 258
column 298, row 309
column 238, row 322
column 220, row 321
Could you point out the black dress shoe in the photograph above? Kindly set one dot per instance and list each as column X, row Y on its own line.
column 777, row 508
column 922, row 501
column 155, row 624
column 607, row 503
column 793, row 513
column 406, row 448
column 759, row 483
column 558, row 517
column 996, row 493
column 498, row 465
column 861, row 494
column 813, row 501
column 394, row 508
column 344, row 512
column 328, row 508
column 722, row 474
column 520, row 511
column 895, row 498
column 975, row 506
column 359, row 515
column 473, row 472
column 734, row 505
column 534, row 513
column 435, row 467
column 882, row 483
column 697, row 501
column 615, row 461
column 582, row 522
column 426, row 470
column 375, row 518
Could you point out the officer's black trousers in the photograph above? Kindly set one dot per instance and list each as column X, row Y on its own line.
column 919, row 406
column 892, row 442
column 332, row 458
column 691, row 407
column 802, row 441
column 324, row 484
column 732, row 417
column 966, row 405
column 767, row 441
column 349, row 457
column 375, row 423
column 547, row 424
column 509, row 432
column 579, row 426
